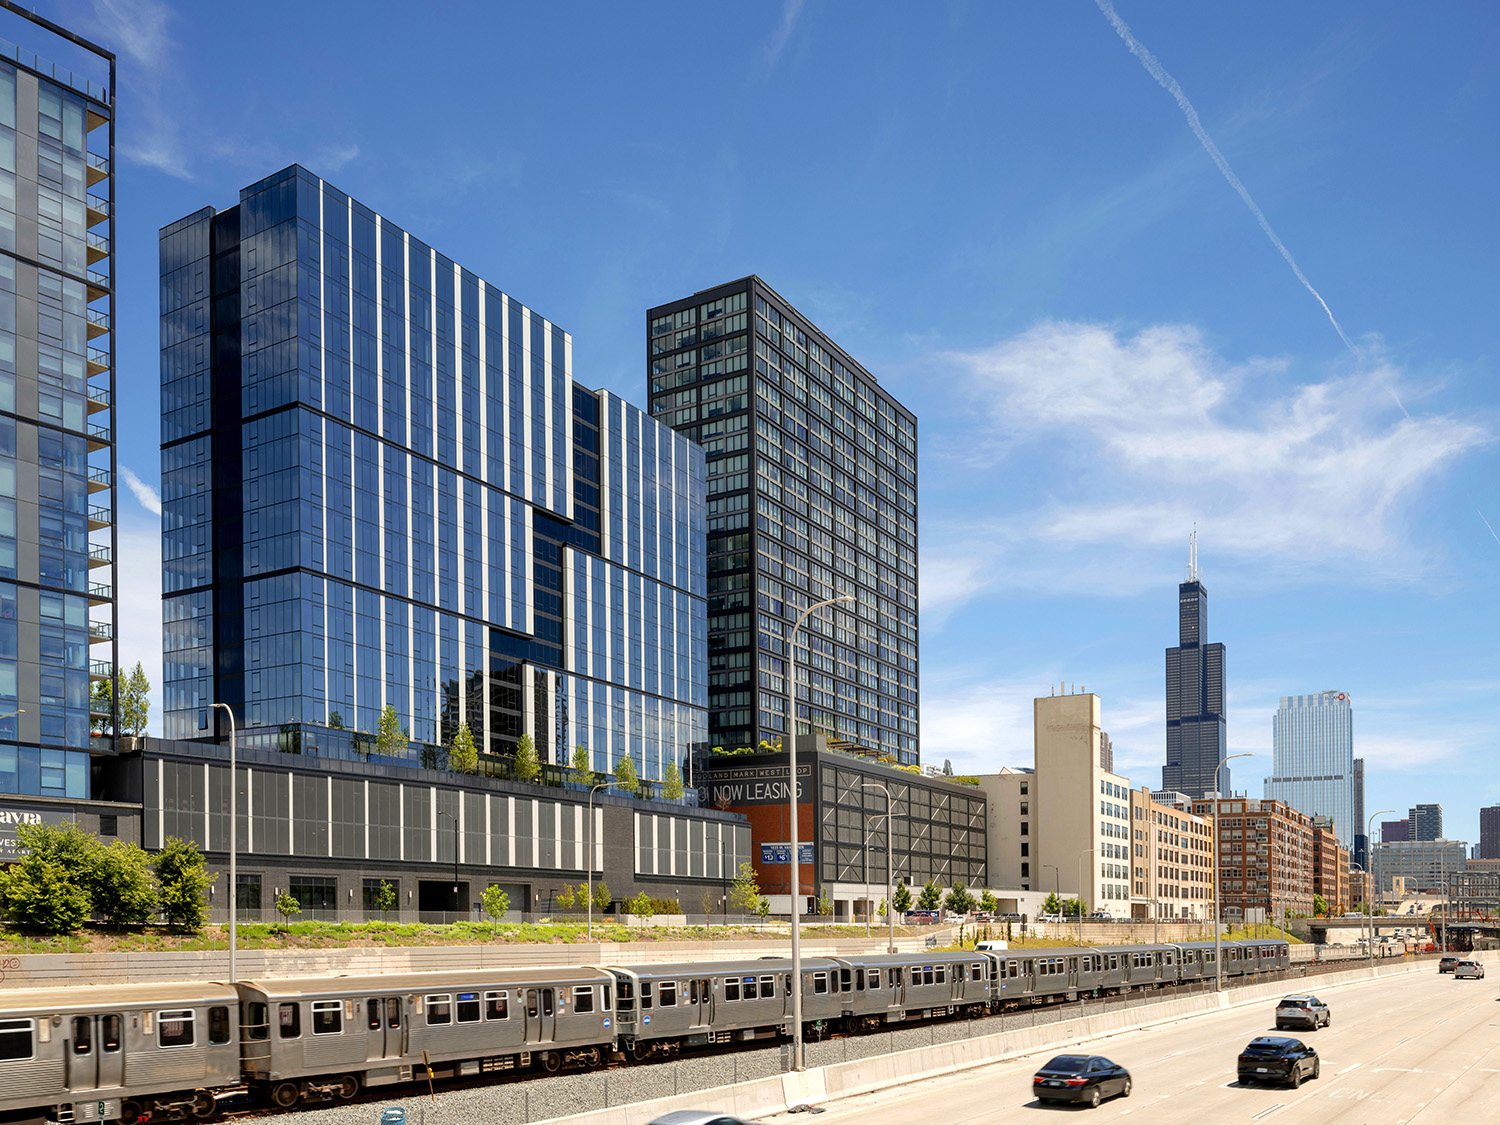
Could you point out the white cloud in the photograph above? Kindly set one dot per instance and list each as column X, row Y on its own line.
column 790, row 10
column 980, row 727
column 1144, row 435
column 138, row 603
column 137, row 31
column 145, row 495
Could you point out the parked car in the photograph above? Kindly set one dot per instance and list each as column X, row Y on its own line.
column 921, row 917
column 1446, row 964
column 980, row 916
column 1100, row 916
column 1080, row 1078
column 1302, row 1011
column 1273, row 1059
column 1471, row 970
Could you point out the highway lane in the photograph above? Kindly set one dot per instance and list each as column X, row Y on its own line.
column 1422, row 1048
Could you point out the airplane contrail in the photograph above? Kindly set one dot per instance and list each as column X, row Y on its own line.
column 1168, row 83
column 1487, row 524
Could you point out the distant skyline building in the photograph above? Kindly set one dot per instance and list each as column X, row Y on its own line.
column 1106, row 753
column 1489, row 832
column 812, row 494
column 383, row 486
column 1426, row 822
column 1395, row 831
column 1196, row 738
column 1361, row 851
column 1312, row 738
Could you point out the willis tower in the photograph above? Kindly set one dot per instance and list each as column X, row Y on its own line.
column 1195, row 695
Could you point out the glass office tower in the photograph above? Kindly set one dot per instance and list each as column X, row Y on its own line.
column 381, row 485
column 57, row 454
column 1313, row 759
column 812, row 485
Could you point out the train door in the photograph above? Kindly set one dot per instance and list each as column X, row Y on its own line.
column 1073, row 973
column 383, row 1029
column 700, row 999
column 541, row 1015
column 94, row 1058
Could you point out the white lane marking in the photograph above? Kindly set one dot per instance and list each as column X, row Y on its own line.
column 1354, row 1066
column 1266, row 1112
column 1401, row 1041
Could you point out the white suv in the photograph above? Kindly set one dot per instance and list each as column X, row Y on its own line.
column 1473, row 970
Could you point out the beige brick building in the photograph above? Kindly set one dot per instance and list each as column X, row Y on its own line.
column 1171, row 860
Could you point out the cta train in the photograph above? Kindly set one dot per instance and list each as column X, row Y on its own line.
column 175, row 1052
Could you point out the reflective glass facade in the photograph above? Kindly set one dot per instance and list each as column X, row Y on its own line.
column 812, row 494
column 1313, row 759
column 382, row 485
column 1196, row 736
column 57, row 534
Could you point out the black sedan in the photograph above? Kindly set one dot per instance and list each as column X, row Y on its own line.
column 1080, row 1078
column 1274, row 1059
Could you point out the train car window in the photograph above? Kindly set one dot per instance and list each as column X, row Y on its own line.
column 257, row 1021
column 820, row 983
column 843, row 980
column 218, row 1025
column 83, row 1035
column 692, row 992
column 645, row 994
column 372, row 1015
column 15, row 1040
column 1114, row 961
column 747, row 989
column 767, row 987
column 175, row 1029
column 440, row 1008
column 496, row 1006
column 731, row 988
column 666, row 994
column 393, row 1012
column 468, row 1007
column 289, row 1020
column 975, row 973
column 608, row 1002
column 531, row 1002
column 583, row 998
column 927, row 974
column 109, row 1033
column 859, row 980
column 328, row 1017
column 940, row 974
column 627, row 996
column 547, row 1001
column 872, row 979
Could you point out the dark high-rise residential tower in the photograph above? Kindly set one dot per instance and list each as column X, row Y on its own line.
column 1426, row 822
column 812, row 494
column 57, row 453
column 1489, row 832
column 1361, row 851
column 1196, row 741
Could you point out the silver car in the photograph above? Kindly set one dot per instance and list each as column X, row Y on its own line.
column 1473, row 970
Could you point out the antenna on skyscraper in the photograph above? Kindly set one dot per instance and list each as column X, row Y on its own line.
column 1193, row 554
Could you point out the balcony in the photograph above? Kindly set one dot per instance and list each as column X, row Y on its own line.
column 101, row 631
column 98, row 707
column 99, row 518
column 100, row 593
column 101, row 480
column 99, row 437
column 100, row 361
column 97, row 209
column 98, row 323
column 99, row 285
column 98, row 247
column 101, row 670
column 98, row 168
column 99, row 398
column 100, row 555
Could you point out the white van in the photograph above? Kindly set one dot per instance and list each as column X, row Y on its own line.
column 992, row 946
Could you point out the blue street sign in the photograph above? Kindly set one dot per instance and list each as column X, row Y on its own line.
column 782, row 853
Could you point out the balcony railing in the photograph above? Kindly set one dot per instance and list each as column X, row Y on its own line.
column 99, row 319
column 101, row 669
column 100, row 554
column 101, row 630
column 99, row 433
column 97, row 203
column 101, row 591
column 101, row 478
column 98, row 359
column 100, row 516
column 99, row 278
column 98, row 167
column 99, row 396
column 98, row 247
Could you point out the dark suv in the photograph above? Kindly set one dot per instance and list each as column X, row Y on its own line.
column 1302, row 1011
column 1273, row 1059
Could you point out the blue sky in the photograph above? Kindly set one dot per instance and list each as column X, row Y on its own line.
column 1006, row 217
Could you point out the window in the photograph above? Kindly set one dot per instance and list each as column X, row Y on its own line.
column 256, row 1015
column 940, row 974
column 583, row 999
column 645, row 995
column 767, row 987
column 531, row 1008
column 440, row 1008
column 218, row 1026
column 872, row 979
column 175, row 1029
column 748, row 989
column 83, row 1035
column 327, row 1017
column 975, row 973
column 666, row 994
column 393, row 1013
column 247, row 894
column 468, row 1007
column 315, row 892
column 1025, row 828
column 820, row 983
column 496, row 1006
column 15, row 1040
column 372, row 1015
column 289, row 1020
column 731, row 988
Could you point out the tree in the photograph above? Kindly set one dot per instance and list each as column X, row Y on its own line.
column 102, row 703
column 495, row 902
column 463, row 755
column 1053, row 905
column 602, row 895
column 120, row 884
column 671, row 782
column 287, row 905
column 528, row 768
column 640, row 906
column 626, row 777
column 1073, row 906
column 959, row 900
column 763, row 908
column 390, row 735
column 335, row 720
column 931, row 897
column 744, row 895
column 881, row 909
column 565, row 897
column 1320, row 904
column 987, row 901
column 184, row 884
column 583, row 767
column 903, row 898
column 825, row 904
column 384, row 899
column 135, row 704
column 48, row 890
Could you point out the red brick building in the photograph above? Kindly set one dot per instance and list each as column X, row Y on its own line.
column 1265, row 857
column 1330, row 867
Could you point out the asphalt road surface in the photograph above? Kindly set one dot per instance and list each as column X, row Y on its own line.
column 1418, row 1048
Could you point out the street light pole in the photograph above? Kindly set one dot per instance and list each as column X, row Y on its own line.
column 589, row 859
column 1370, row 894
column 795, row 876
column 1218, row 902
column 890, row 871
column 1079, row 900
column 234, row 884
